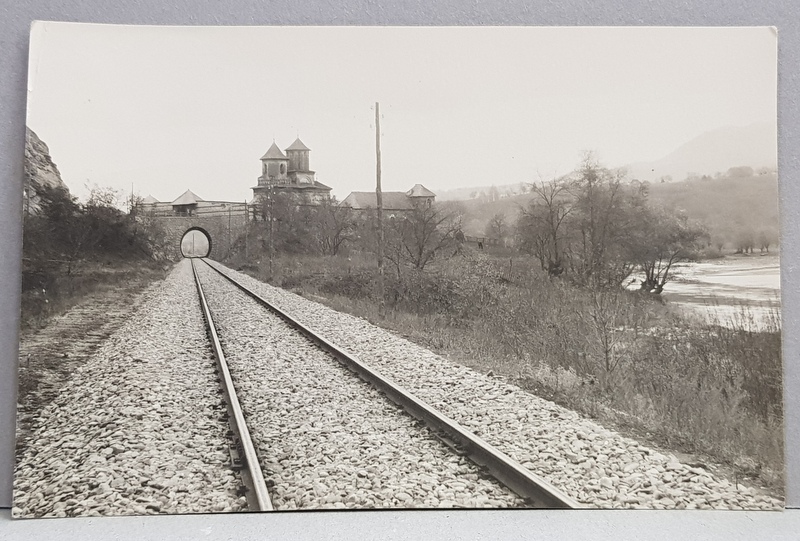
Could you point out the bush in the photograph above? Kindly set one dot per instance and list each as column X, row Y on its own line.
column 422, row 293
column 357, row 285
column 71, row 249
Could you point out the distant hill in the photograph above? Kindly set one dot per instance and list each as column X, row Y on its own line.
column 475, row 192
column 724, row 178
column 478, row 212
column 715, row 151
column 710, row 153
column 40, row 170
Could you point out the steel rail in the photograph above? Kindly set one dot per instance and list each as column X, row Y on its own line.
column 257, row 494
column 537, row 491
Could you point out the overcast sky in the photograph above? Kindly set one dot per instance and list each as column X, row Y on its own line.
column 164, row 109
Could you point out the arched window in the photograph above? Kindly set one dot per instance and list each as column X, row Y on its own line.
column 283, row 169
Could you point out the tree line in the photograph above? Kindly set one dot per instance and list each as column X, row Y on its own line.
column 598, row 230
column 591, row 228
column 413, row 238
column 65, row 232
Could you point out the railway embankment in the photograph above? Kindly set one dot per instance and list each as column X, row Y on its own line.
column 140, row 426
column 628, row 359
column 594, row 465
column 326, row 438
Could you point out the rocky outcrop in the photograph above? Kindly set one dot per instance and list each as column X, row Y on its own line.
column 40, row 171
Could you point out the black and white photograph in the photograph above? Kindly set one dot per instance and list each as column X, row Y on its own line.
column 359, row 268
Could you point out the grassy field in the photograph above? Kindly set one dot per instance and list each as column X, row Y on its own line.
column 621, row 357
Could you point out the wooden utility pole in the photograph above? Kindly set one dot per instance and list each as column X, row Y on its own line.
column 379, row 195
column 271, row 229
column 246, row 227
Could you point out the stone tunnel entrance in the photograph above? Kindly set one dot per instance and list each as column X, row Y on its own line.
column 223, row 227
column 196, row 242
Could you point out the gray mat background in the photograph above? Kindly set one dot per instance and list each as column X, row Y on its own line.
column 15, row 19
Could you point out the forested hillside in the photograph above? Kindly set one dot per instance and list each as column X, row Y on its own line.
column 739, row 208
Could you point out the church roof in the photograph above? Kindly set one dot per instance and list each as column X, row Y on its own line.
column 316, row 186
column 149, row 200
column 297, row 145
column 420, row 191
column 391, row 201
column 274, row 153
column 187, row 198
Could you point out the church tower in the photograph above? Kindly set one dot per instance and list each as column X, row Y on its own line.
column 274, row 166
column 289, row 174
column 298, row 157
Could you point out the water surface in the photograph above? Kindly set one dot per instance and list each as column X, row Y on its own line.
column 740, row 290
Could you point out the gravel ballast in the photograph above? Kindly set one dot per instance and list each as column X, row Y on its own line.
column 327, row 439
column 139, row 428
column 594, row 465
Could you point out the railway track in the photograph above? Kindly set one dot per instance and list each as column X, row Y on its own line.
column 140, row 427
column 535, row 491
column 244, row 456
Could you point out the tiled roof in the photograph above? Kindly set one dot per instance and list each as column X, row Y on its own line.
column 149, row 200
column 274, row 153
column 298, row 145
column 187, row 198
column 420, row 191
column 391, row 200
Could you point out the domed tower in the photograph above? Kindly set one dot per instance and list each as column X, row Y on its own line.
column 290, row 175
column 299, row 170
column 274, row 166
column 274, row 171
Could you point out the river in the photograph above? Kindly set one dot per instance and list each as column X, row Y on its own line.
column 740, row 291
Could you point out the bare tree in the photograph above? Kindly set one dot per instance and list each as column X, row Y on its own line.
column 601, row 316
column 598, row 229
column 666, row 239
column 542, row 223
column 497, row 228
column 599, row 224
column 289, row 222
column 418, row 236
column 334, row 224
column 149, row 231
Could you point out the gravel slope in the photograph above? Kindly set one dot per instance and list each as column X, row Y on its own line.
column 139, row 428
column 594, row 465
column 49, row 356
column 327, row 439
